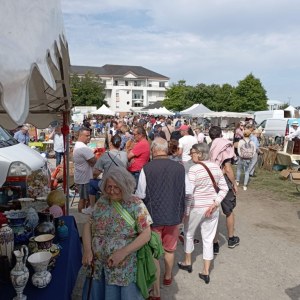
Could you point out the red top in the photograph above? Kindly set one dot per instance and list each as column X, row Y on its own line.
column 141, row 151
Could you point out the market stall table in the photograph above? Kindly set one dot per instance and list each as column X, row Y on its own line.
column 64, row 273
column 286, row 159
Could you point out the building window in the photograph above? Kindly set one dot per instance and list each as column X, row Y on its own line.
column 116, row 82
column 127, row 92
column 128, row 102
column 117, row 94
column 137, row 104
column 162, row 84
column 126, row 82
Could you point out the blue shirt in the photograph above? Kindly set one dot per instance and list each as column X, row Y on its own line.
column 254, row 139
column 21, row 137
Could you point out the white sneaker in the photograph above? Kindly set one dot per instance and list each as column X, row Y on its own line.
column 237, row 183
column 244, row 188
column 87, row 211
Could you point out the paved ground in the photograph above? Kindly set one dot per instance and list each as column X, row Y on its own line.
column 266, row 265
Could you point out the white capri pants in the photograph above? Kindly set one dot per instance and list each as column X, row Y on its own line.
column 208, row 231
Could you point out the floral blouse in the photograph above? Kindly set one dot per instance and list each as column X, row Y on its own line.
column 111, row 232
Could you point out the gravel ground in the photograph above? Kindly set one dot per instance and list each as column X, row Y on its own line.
column 266, row 264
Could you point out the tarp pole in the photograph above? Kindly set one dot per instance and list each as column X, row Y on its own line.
column 66, row 167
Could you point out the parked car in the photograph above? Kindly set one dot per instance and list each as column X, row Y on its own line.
column 24, row 172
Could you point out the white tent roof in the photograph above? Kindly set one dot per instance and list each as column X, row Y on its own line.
column 196, row 110
column 103, row 110
column 227, row 114
column 290, row 108
column 163, row 111
column 34, row 59
column 190, row 108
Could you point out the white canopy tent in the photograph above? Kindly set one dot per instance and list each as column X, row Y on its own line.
column 103, row 110
column 34, row 59
column 293, row 112
column 226, row 118
column 224, row 114
column 196, row 110
column 34, row 72
column 189, row 108
column 162, row 111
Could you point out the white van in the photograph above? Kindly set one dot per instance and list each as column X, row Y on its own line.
column 260, row 116
column 24, row 172
column 276, row 128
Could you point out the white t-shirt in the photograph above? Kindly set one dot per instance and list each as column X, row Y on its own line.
column 58, row 143
column 83, row 172
column 200, row 137
column 186, row 143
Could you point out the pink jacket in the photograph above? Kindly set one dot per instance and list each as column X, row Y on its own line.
column 220, row 150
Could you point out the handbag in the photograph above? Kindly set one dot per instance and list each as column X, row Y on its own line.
column 146, row 269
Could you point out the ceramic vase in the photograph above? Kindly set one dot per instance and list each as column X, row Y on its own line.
column 19, row 274
column 6, row 241
column 62, row 230
column 45, row 225
column 32, row 218
column 32, row 246
column 39, row 262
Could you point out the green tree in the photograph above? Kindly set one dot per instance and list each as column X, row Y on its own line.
column 87, row 90
column 176, row 96
column 249, row 95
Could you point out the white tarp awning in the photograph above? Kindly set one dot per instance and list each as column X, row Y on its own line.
column 189, row 108
column 103, row 110
column 227, row 114
column 34, row 60
column 162, row 111
column 196, row 110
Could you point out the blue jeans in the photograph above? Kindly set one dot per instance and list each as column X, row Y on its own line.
column 253, row 164
column 102, row 291
column 94, row 186
column 136, row 176
column 243, row 164
column 58, row 156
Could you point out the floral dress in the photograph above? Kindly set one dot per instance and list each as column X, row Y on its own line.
column 111, row 232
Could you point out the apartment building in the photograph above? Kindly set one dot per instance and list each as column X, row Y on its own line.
column 128, row 88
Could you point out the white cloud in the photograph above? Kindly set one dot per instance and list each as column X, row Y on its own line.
column 199, row 41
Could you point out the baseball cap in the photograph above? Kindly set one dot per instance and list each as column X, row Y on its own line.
column 184, row 128
column 295, row 123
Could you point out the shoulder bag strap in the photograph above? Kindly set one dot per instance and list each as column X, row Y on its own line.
column 124, row 213
column 113, row 158
column 210, row 175
column 168, row 129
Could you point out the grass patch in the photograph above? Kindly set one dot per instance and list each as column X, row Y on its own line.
column 273, row 183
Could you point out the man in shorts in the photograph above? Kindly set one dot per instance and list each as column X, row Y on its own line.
column 162, row 188
column 84, row 160
column 222, row 153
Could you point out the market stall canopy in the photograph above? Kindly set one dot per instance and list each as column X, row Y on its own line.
column 103, row 110
column 227, row 114
column 195, row 110
column 34, row 59
column 189, row 108
column 162, row 111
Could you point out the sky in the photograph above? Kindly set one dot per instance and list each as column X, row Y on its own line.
column 199, row 41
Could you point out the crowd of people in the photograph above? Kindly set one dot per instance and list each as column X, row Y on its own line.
column 172, row 178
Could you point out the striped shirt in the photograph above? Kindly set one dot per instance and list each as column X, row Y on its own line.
column 204, row 193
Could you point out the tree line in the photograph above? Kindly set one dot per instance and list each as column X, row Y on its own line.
column 248, row 95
